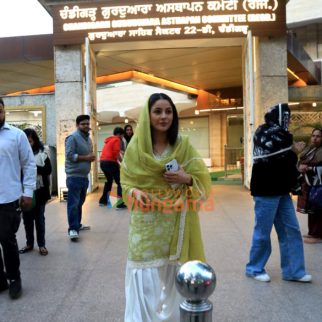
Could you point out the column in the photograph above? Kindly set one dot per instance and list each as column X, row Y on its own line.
column 69, row 99
column 264, row 85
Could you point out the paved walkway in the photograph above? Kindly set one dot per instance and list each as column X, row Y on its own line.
column 84, row 281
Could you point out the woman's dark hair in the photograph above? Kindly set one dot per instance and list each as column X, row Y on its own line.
column 317, row 129
column 126, row 137
column 172, row 133
column 128, row 125
column 38, row 146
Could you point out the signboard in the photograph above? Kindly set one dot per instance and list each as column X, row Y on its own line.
column 119, row 21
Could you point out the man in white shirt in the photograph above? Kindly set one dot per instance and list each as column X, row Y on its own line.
column 16, row 158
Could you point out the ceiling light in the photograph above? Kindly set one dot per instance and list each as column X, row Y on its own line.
column 197, row 112
column 35, row 113
column 314, row 104
column 122, row 113
column 222, row 109
column 126, row 121
column 293, row 74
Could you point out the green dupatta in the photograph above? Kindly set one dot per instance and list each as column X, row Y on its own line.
column 168, row 231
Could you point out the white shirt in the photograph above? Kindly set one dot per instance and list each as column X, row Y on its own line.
column 15, row 156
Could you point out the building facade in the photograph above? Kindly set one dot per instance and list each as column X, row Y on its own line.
column 231, row 60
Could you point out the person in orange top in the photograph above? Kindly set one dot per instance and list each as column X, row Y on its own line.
column 109, row 163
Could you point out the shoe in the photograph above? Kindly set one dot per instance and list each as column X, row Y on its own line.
column 305, row 279
column 25, row 249
column 262, row 277
column 109, row 204
column 15, row 288
column 43, row 251
column 121, row 206
column 73, row 235
column 312, row 240
column 84, row 227
column 3, row 285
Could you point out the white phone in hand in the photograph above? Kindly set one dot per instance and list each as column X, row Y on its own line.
column 172, row 165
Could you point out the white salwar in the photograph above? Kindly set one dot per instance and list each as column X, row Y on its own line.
column 151, row 294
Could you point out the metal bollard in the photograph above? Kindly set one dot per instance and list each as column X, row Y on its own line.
column 196, row 281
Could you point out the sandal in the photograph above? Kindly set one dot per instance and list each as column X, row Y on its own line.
column 43, row 251
column 308, row 236
column 312, row 240
column 26, row 249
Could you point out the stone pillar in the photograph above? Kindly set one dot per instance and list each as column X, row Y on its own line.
column 69, row 99
column 264, row 83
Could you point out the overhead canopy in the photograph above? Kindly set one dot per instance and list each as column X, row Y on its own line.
column 205, row 64
column 114, row 103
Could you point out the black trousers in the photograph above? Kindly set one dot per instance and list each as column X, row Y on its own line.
column 10, row 217
column 112, row 172
column 35, row 218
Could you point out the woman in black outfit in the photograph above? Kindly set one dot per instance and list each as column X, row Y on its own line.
column 41, row 195
column 128, row 133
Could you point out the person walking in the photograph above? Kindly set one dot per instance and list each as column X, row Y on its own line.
column 16, row 157
column 36, row 216
column 274, row 175
column 164, row 225
column 109, row 162
column 78, row 158
column 310, row 165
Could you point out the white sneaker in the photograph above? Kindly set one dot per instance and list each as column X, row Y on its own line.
column 84, row 227
column 73, row 234
column 262, row 277
column 305, row 279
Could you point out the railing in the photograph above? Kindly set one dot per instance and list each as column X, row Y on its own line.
column 232, row 158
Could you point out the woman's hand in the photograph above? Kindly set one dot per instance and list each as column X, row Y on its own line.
column 179, row 177
column 141, row 197
column 303, row 168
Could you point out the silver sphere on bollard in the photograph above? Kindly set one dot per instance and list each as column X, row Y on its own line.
column 196, row 281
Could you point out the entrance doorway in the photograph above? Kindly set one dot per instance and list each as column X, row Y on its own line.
column 234, row 150
column 185, row 66
column 235, row 131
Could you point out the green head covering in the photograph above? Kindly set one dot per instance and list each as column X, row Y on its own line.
column 177, row 227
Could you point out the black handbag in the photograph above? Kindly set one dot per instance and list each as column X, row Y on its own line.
column 315, row 194
column 315, row 197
